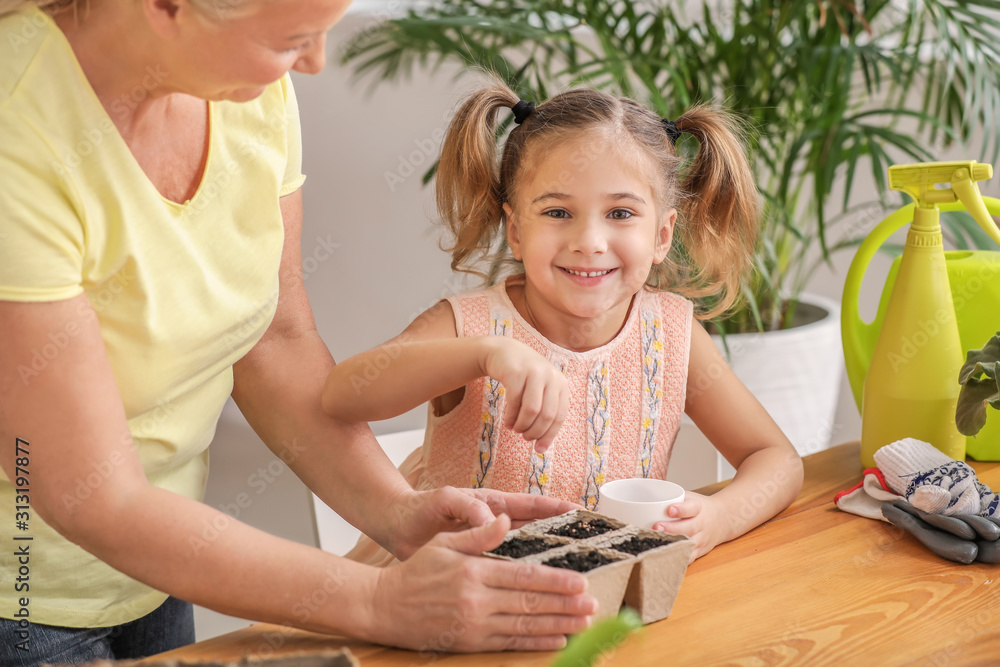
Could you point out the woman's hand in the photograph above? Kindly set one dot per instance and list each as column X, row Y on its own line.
column 699, row 517
column 537, row 393
column 463, row 602
column 522, row 508
column 420, row 515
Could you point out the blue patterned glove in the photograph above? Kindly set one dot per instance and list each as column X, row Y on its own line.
column 934, row 482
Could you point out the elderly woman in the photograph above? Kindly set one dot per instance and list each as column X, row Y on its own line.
column 150, row 213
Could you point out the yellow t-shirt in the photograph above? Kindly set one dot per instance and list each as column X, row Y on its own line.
column 181, row 291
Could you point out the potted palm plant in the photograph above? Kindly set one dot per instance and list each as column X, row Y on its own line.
column 833, row 91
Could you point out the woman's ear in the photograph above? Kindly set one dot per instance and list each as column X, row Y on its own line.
column 513, row 231
column 665, row 235
column 164, row 15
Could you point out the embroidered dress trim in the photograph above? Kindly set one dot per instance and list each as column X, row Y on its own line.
column 598, row 418
column 652, row 345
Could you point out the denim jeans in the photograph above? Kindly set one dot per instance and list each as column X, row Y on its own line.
column 169, row 626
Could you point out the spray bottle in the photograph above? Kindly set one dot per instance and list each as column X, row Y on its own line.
column 911, row 386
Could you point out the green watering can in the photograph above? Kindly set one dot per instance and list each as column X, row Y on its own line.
column 974, row 278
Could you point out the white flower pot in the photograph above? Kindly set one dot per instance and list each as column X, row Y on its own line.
column 794, row 373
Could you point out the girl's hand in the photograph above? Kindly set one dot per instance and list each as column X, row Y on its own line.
column 463, row 602
column 699, row 517
column 537, row 393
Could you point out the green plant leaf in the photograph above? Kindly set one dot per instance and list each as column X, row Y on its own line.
column 978, row 391
column 981, row 361
column 975, row 396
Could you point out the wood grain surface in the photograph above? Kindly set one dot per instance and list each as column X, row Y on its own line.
column 813, row 586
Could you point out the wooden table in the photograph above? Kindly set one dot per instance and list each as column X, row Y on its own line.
column 812, row 586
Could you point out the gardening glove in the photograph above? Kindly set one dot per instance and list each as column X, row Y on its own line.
column 934, row 482
column 961, row 538
column 866, row 497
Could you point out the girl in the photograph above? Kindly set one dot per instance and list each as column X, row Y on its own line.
column 594, row 350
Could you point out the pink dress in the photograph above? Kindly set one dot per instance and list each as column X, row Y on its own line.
column 627, row 398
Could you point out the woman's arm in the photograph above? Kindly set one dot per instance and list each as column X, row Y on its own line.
column 277, row 386
column 768, row 469
column 72, row 414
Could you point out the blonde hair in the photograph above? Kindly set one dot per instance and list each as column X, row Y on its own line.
column 716, row 197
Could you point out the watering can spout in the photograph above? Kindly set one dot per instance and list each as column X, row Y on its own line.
column 967, row 190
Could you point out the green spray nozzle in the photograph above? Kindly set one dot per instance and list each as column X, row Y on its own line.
column 921, row 181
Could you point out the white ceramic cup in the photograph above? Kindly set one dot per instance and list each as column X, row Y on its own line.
column 640, row 502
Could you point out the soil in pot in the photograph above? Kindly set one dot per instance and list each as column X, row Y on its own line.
column 580, row 561
column 522, row 546
column 637, row 544
column 583, row 529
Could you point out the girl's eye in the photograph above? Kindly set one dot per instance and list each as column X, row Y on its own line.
column 620, row 214
column 557, row 213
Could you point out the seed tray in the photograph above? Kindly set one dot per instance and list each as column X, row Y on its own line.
column 647, row 581
column 607, row 582
column 658, row 571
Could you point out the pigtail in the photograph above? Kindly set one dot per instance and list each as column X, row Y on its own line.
column 719, row 204
column 469, row 197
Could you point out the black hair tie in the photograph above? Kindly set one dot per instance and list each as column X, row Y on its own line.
column 671, row 129
column 522, row 110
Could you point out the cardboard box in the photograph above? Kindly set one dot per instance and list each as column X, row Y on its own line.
column 606, row 582
column 647, row 581
column 658, row 572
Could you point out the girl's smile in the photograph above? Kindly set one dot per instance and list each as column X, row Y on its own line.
column 592, row 273
column 588, row 277
column 585, row 224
